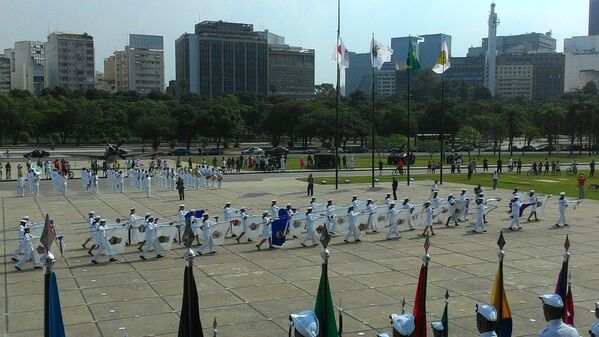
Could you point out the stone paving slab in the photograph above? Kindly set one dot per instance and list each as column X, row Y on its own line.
column 251, row 293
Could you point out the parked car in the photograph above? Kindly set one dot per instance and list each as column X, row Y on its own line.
column 464, row 148
column 356, row 149
column 525, row 148
column 37, row 153
column 180, row 152
column 545, row 148
column 278, row 151
column 252, row 151
column 212, row 152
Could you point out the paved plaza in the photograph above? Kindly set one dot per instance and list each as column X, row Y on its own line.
column 251, row 293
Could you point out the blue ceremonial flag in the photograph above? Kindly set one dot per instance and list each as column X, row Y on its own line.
column 55, row 326
column 279, row 227
column 198, row 214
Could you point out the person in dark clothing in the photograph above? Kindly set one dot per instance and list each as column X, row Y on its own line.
column 394, row 187
column 181, row 188
column 310, row 185
column 592, row 166
column 499, row 166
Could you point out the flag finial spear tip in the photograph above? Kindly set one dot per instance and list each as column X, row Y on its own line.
column 446, row 294
column 567, row 243
column 501, row 241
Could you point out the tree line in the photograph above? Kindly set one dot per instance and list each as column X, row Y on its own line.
column 94, row 116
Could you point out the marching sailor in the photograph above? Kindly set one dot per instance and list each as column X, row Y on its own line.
column 332, row 224
column 228, row 216
column 35, row 184
column 27, row 250
column 452, row 211
column 151, row 240
column 90, row 221
column 434, row 188
column 355, row 202
column 387, row 200
column 480, row 213
column 428, row 219
column 515, row 224
column 21, row 247
column 310, row 235
column 534, row 200
column 274, row 210
column 290, row 213
column 392, row 216
column 133, row 219
column 21, row 186
column 313, row 203
column 244, row 224
column 371, row 217
column 410, row 208
column 207, row 240
column 464, row 201
column 553, row 310
column 266, row 231
column 101, row 242
column 563, row 204
column 403, row 325
column 352, row 220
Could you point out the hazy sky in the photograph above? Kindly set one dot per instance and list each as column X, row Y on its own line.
column 307, row 23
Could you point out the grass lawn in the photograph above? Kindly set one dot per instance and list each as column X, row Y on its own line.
column 541, row 184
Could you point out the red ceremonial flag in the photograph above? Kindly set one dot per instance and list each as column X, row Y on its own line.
column 420, row 299
column 569, row 308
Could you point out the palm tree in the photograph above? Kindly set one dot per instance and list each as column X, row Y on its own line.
column 512, row 117
column 551, row 118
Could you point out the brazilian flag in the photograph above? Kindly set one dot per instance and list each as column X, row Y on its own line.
column 412, row 63
column 324, row 310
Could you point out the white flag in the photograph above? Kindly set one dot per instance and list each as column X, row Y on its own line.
column 379, row 54
column 341, row 55
column 442, row 60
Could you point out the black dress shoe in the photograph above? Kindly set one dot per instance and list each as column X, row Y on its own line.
column 112, row 259
column 17, row 268
column 94, row 262
column 159, row 256
column 142, row 257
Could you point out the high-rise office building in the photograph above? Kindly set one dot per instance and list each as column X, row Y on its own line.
column 593, row 17
column 523, row 44
column 139, row 68
column 582, row 61
column 468, row 69
column 291, row 72
column 222, row 58
column 4, row 73
column 28, row 70
column 427, row 49
column 358, row 77
column 70, row 61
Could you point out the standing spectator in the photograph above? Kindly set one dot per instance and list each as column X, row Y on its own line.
column 546, row 166
column 310, row 185
column 302, row 162
column 344, row 161
column 499, row 166
column 470, row 172
column 394, row 187
column 558, row 168
column 581, row 182
column 519, row 166
column 485, row 165
column 380, row 167
column 429, row 167
column 494, row 180
column 181, row 188
column 592, row 166
column 8, row 167
column 352, row 161
column 510, row 165
column 282, row 163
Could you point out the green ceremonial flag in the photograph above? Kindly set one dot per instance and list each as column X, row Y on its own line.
column 412, row 63
column 324, row 310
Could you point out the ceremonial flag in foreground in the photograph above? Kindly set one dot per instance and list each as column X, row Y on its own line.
column 420, row 299
column 55, row 324
column 412, row 63
column 48, row 234
column 499, row 299
column 379, row 54
column 190, row 324
column 324, row 309
column 442, row 60
column 563, row 288
column 445, row 319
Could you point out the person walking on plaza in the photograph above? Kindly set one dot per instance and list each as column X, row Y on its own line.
column 310, row 230
column 352, row 219
column 266, row 231
column 533, row 205
column 592, row 167
column 428, row 219
column 392, row 216
column 27, row 251
column 181, row 188
column 495, row 176
column 394, row 185
column 151, row 240
column 581, row 182
column 310, row 185
column 515, row 224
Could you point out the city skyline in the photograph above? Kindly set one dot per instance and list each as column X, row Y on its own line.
column 305, row 23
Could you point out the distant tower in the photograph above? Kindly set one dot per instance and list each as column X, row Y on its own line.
column 492, row 51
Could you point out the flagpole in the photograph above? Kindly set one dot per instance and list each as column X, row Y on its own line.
column 408, row 71
column 48, row 262
column 373, row 107
column 337, row 143
column 441, row 137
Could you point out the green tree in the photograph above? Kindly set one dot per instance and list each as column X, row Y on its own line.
column 469, row 136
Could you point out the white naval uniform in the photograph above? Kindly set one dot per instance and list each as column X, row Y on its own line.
column 408, row 206
column 534, row 200
column 515, row 224
column 392, row 216
column 480, row 223
column 275, row 212
column 371, row 217
column 557, row 328
column 206, row 237
column 563, row 204
column 151, row 239
column 100, row 241
column 267, row 230
column 21, row 246
column 35, row 185
column 21, row 186
column 428, row 217
column 148, row 187
column 352, row 219
column 27, row 251
column 310, row 217
column 332, row 224
column 488, row 334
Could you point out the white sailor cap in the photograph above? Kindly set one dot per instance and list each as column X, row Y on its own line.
column 562, row 193
column 104, row 220
column 306, row 323
column 182, row 205
column 97, row 217
column 288, row 204
column 382, row 334
column 463, row 190
column 392, row 202
column 192, row 210
column 309, row 208
column 23, row 221
column 91, row 213
column 531, row 191
column 354, row 196
column 330, row 200
column 313, row 198
column 388, row 194
column 265, row 213
column 552, row 300
column 404, row 324
column 206, row 214
column 487, row 311
column 228, row 203
column 516, row 197
column 148, row 214
column 368, row 199
column 132, row 209
column 274, row 200
column 438, row 325
column 26, row 217
column 450, row 195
